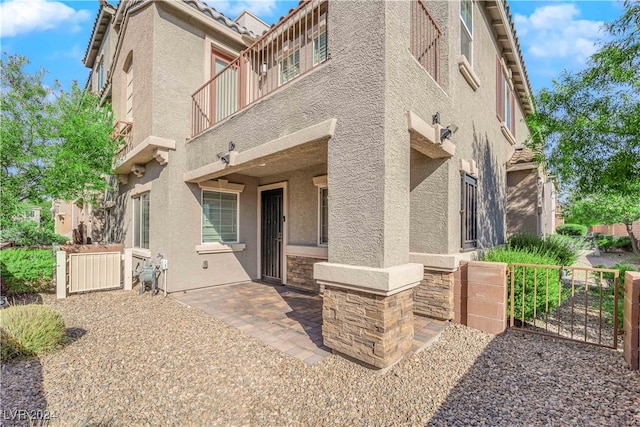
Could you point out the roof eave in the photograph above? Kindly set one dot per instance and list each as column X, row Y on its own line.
column 103, row 18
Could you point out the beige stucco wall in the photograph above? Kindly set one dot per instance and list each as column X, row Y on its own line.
column 349, row 87
column 385, row 200
column 522, row 202
column 435, row 184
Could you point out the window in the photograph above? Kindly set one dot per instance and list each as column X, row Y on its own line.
column 320, row 48
column 219, row 217
column 289, row 67
column 101, row 74
column 130, row 92
column 466, row 29
column 469, row 212
column 505, row 100
column 141, row 221
column 323, row 216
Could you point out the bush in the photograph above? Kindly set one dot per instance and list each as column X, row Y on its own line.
column 608, row 303
column 572, row 229
column 28, row 233
column 623, row 243
column 537, row 299
column 563, row 249
column 30, row 330
column 27, row 270
column 606, row 242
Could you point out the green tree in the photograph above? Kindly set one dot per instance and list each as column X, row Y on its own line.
column 590, row 120
column 54, row 144
column 608, row 208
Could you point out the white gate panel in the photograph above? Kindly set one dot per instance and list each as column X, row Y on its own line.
column 94, row 271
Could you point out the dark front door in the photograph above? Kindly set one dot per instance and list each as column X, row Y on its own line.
column 272, row 226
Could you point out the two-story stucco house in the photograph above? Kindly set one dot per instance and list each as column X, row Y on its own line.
column 358, row 148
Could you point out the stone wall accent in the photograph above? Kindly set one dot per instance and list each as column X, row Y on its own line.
column 433, row 297
column 480, row 296
column 300, row 273
column 631, row 347
column 374, row 329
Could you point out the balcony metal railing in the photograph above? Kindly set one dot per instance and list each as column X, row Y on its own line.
column 122, row 133
column 293, row 47
column 425, row 39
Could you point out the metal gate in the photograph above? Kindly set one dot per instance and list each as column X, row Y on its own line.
column 271, row 238
column 573, row 303
column 94, row 271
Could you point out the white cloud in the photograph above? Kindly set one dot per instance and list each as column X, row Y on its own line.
column 232, row 8
column 25, row 16
column 557, row 32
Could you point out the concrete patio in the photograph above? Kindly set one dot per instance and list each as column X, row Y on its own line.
column 283, row 318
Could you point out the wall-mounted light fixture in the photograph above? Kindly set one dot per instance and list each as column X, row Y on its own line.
column 436, row 119
column 447, row 132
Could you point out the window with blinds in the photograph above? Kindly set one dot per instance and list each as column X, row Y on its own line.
column 129, row 107
column 219, row 217
column 141, row 221
column 505, row 99
column 466, row 29
column 320, row 48
column 289, row 67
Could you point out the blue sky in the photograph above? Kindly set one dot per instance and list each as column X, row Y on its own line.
column 54, row 34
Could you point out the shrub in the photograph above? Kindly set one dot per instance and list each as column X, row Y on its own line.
column 30, row 330
column 572, row 230
column 537, row 299
column 605, row 242
column 28, row 233
column 27, row 270
column 623, row 243
column 563, row 249
column 608, row 303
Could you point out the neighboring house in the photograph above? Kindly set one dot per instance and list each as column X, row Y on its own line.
column 32, row 214
column 531, row 196
column 317, row 152
column 84, row 218
column 616, row 229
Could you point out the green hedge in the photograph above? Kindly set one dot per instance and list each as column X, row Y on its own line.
column 572, row 229
column 29, row 330
column 531, row 299
column 27, row 270
column 606, row 242
column 562, row 248
column 28, row 233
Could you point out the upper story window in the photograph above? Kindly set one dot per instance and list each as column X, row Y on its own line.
column 289, row 66
column 505, row 99
column 141, row 221
column 129, row 107
column 466, row 29
column 320, row 48
column 101, row 74
column 469, row 212
column 219, row 216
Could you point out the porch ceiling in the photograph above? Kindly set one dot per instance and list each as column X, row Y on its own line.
column 301, row 149
column 289, row 160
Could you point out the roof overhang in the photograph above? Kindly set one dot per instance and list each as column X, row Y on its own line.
column 504, row 29
column 105, row 14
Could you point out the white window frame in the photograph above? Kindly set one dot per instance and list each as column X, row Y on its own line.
column 137, row 234
column 101, row 73
column 286, row 57
column 129, row 92
column 221, row 242
column 463, row 27
column 507, row 93
column 316, row 48
column 320, row 189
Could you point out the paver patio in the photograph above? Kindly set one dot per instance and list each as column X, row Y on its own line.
column 284, row 318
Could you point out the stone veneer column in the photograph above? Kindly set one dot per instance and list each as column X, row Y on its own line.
column 433, row 297
column 367, row 313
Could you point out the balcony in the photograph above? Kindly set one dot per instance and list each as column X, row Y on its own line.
column 425, row 39
column 290, row 49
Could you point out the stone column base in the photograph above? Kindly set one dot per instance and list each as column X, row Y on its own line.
column 374, row 329
column 433, row 297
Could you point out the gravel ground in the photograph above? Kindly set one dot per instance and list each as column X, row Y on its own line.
column 134, row 360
